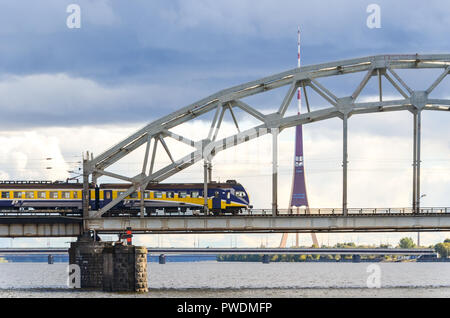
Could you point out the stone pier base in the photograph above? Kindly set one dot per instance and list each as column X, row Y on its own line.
column 109, row 267
column 125, row 268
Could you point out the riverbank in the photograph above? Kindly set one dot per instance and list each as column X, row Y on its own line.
column 323, row 258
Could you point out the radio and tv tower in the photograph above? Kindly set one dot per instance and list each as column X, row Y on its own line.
column 299, row 196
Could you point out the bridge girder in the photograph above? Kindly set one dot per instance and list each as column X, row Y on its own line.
column 304, row 77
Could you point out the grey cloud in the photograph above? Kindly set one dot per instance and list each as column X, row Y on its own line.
column 141, row 55
column 58, row 100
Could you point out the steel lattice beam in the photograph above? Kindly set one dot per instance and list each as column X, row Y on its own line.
column 305, row 77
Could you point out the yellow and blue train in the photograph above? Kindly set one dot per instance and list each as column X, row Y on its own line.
column 65, row 197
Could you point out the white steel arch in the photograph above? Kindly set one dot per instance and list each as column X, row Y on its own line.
column 381, row 66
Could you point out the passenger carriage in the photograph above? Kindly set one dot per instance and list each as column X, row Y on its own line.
column 66, row 197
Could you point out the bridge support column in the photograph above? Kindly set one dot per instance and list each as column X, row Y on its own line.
column 142, row 202
column 416, row 161
column 274, row 171
column 205, row 187
column 210, row 171
column 108, row 267
column 85, row 192
column 344, row 164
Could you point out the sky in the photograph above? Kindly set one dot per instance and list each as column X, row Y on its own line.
column 67, row 90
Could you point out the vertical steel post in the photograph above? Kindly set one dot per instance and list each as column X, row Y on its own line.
column 274, row 171
column 209, row 172
column 414, row 198
column 85, row 195
column 344, row 164
column 205, row 187
column 142, row 201
column 419, row 124
column 380, row 85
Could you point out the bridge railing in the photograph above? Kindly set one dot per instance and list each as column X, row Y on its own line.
column 258, row 212
column 350, row 211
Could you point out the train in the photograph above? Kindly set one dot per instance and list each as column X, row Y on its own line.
column 65, row 197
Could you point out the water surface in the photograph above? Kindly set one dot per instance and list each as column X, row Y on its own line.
column 235, row 279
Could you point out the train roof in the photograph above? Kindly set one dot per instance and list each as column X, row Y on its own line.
column 157, row 186
column 77, row 185
column 40, row 185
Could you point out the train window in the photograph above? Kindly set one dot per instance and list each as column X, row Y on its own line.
column 147, row 195
column 17, row 195
column 228, row 195
column 134, row 195
column 41, row 194
column 182, row 194
column 65, row 195
column 157, row 195
column 5, row 195
column 216, row 194
column 75, row 194
column 29, row 195
column 107, row 195
column 194, row 194
column 53, row 194
column 169, row 195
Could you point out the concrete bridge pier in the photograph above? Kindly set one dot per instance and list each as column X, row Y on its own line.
column 109, row 266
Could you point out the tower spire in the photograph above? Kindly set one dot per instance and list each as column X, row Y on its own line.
column 299, row 96
column 298, row 191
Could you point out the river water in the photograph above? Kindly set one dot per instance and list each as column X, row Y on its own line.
column 236, row 279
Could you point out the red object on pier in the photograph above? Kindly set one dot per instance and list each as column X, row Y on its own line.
column 128, row 236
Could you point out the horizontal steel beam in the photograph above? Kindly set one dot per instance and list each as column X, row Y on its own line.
column 273, row 224
column 46, row 227
column 26, row 250
column 40, row 229
column 310, row 251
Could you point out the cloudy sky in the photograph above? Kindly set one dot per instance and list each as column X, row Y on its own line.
column 64, row 91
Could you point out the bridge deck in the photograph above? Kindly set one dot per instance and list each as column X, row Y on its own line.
column 39, row 226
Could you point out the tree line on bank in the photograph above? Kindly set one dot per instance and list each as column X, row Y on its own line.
column 443, row 250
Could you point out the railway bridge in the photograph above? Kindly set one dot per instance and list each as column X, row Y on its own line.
column 383, row 68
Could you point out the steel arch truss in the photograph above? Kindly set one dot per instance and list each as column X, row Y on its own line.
column 382, row 66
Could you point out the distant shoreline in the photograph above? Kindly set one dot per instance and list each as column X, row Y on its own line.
column 287, row 258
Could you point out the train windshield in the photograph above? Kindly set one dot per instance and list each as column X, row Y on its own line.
column 240, row 194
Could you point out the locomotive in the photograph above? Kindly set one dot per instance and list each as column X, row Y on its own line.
column 66, row 197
